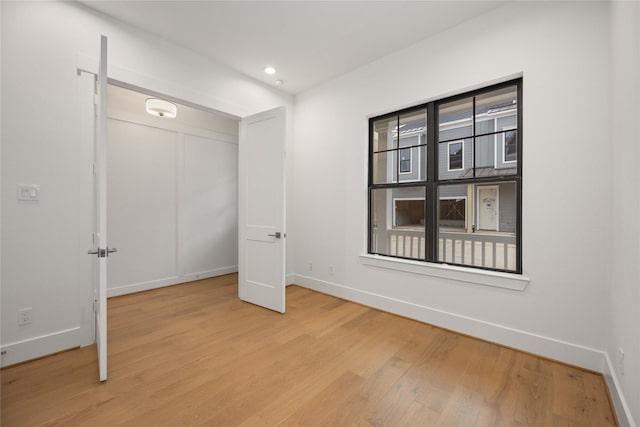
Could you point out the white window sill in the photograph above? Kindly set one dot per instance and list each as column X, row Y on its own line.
column 495, row 279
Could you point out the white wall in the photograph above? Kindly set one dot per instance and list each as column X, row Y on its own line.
column 624, row 331
column 561, row 49
column 46, row 140
column 142, row 205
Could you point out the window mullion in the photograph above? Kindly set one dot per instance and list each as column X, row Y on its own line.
column 397, row 150
column 431, row 190
column 473, row 136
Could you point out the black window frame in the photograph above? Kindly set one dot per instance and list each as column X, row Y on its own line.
column 432, row 182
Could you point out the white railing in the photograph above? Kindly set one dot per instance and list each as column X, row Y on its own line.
column 483, row 250
column 477, row 249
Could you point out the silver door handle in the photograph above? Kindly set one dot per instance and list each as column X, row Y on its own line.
column 276, row 235
column 102, row 253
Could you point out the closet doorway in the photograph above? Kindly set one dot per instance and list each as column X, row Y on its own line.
column 172, row 192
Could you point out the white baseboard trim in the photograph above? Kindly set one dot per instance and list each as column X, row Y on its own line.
column 43, row 345
column 169, row 281
column 290, row 279
column 625, row 419
column 548, row 347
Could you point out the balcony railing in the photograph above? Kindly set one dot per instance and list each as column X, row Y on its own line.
column 496, row 250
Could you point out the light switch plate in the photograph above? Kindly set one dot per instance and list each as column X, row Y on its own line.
column 28, row 192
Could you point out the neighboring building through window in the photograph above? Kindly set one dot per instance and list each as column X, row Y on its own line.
column 445, row 180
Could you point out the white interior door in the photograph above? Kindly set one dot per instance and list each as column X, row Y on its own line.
column 261, row 192
column 488, row 208
column 101, row 250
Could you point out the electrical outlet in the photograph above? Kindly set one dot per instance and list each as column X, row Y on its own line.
column 621, row 361
column 310, row 266
column 331, row 270
column 25, row 316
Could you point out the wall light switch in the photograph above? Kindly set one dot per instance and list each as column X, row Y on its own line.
column 28, row 192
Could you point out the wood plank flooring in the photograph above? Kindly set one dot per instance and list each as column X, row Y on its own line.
column 194, row 354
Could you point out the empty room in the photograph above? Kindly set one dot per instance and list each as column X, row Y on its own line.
column 419, row 213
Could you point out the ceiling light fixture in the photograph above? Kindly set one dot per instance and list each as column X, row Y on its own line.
column 161, row 108
column 279, row 82
column 270, row 70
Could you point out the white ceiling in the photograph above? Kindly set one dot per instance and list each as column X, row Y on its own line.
column 308, row 42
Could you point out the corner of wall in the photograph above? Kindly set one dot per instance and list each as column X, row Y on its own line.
column 620, row 406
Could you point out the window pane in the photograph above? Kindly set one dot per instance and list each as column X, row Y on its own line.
column 455, row 159
column 455, row 120
column 489, row 153
column 413, row 131
column 412, row 161
column 414, row 123
column 477, row 225
column 484, row 155
column 398, row 222
column 497, row 122
column 410, row 165
column 497, row 104
column 384, row 170
column 383, row 134
column 399, row 153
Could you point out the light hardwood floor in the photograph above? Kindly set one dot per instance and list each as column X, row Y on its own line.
column 194, row 354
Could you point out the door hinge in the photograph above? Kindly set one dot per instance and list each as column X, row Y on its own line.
column 95, row 305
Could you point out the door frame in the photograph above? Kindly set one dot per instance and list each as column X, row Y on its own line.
column 130, row 79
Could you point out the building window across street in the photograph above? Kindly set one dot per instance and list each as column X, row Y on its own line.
column 456, row 156
column 445, row 180
column 405, row 160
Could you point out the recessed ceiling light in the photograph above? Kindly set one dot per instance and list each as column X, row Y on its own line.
column 270, row 70
column 279, row 82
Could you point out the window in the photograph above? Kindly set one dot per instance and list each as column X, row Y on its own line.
column 456, row 156
column 405, row 160
column 510, row 144
column 459, row 200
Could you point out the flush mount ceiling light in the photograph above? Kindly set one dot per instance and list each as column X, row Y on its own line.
column 161, row 108
column 269, row 70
